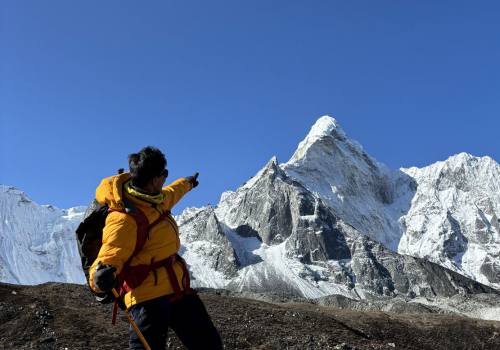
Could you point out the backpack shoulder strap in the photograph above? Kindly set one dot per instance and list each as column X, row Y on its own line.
column 143, row 227
column 163, row 216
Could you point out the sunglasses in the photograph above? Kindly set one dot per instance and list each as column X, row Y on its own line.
column 164, row 173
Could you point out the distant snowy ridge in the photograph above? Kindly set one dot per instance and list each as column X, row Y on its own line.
column 454, row 216
column 37, row 242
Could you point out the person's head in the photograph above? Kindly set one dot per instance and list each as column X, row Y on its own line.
column 148, row 169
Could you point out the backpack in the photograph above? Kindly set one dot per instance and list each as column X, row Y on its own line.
column 89, row 238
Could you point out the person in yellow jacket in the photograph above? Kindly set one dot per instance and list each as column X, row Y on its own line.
column 161, row 300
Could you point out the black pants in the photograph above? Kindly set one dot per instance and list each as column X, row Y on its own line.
column 187, row 317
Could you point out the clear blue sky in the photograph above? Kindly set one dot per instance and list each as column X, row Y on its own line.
column 222, row 86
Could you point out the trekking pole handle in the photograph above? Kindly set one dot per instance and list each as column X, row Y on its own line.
column 132, row 322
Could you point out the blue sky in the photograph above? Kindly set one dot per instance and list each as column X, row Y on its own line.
column 222, row 86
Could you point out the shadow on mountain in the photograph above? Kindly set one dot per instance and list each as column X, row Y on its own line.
column 244, row 241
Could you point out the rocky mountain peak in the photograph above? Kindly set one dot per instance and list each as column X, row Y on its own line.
column 357, row 187
column 465, row 158
column 13, row 195
column 463, row 172
column 271, row 169
column 455, row 162
column 272, row 164
column 325, row 128
column 328, row 155
column 470, row 163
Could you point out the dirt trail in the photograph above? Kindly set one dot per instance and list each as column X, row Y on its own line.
column 64, row 316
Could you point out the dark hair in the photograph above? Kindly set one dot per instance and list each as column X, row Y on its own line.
column 144, row 166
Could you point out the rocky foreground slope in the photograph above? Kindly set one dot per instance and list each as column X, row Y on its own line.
column 64, row 316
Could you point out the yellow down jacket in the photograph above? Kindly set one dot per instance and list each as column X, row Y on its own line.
column 120, row 234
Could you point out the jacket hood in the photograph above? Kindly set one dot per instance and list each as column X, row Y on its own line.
column 110, row 191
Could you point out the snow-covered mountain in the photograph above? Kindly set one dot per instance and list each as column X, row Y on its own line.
column 454, row 217
column 446, row 213
column 363, row 192
column 37, row 242
column 331, row 220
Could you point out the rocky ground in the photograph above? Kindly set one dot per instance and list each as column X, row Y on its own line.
column 64, row 316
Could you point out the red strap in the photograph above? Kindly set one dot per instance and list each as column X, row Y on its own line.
column 174, row 282
column 157, row 221
column 168, row 263
column 185, row 275
column 143, row 229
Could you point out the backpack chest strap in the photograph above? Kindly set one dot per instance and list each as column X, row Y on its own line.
column 135, row 275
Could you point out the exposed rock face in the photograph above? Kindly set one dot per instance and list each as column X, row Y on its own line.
column 274, row 209
column 202, row 231
column 387, row 273
column 264, row 208
column 317, row 236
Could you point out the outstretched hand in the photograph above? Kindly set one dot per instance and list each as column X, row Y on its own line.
column 193, row 179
